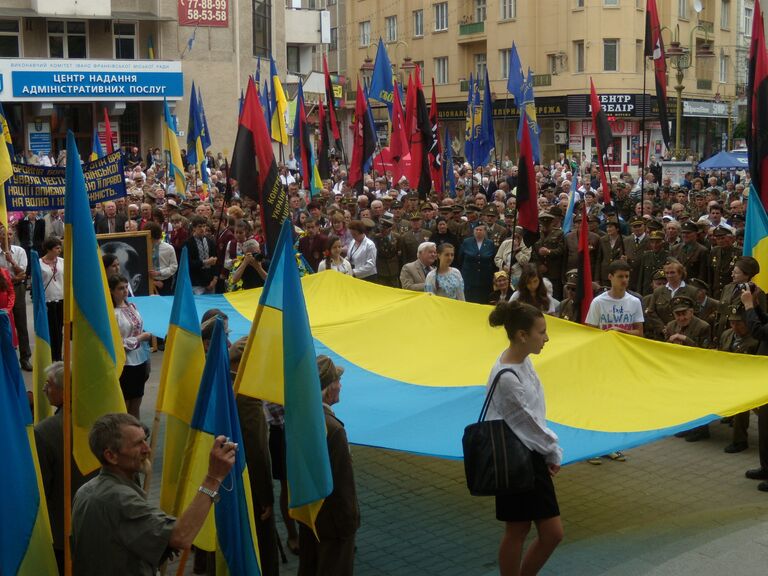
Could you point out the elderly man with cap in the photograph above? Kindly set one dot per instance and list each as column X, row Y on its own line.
column 686, row 328
column 572, row 256
column 548, row 252
column 651, row 261
column 610, row 249
column 332, row 552
column 567, row 309
column 635, row 244
column 691, row 253
column 653, row 328
column 738, row 340
column 414, row 274
column 705, row 308
column 722, row 257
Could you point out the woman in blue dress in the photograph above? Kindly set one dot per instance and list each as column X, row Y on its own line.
column 445, row 280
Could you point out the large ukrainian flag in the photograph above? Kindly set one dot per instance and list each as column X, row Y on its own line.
column 215, row 415
column 25, row 533
column 183, row 365
column 756, row 236
column 171, row 143
column 97, row 151
column 41, row 355
column 97, row 350
column 279, row 365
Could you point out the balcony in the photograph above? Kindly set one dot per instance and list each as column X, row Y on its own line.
column 702, row 84
column 307, row 26
column 471, row 32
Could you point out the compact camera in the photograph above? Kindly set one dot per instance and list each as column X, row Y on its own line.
column 747, row 286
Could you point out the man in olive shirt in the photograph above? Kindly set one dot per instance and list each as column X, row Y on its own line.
column 114, row 529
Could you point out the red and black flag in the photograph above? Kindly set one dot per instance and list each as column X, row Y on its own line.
column 323, row 161
column 302, row 147
column 527, row 192
column 331, row 102
column 584, row 293
column 364, row 141
column 421, row 142
column 603, row 138
column 436, row 150
column 654, row 48
column 255, row 170
column 757, row 107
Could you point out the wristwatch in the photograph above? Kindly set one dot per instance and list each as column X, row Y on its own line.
column 212, row 494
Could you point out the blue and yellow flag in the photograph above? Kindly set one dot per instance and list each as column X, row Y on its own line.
column 278, row 106
column 6, row 168
column 205, row 137
column 41, row 354
column 215, row 414
column 756, row 236
column 279, row 365
column 25, row 532
column 97, row 151
column 97, row 348
column 195, row 130
column 150, row 48
column 173, row 153
column 183, row 365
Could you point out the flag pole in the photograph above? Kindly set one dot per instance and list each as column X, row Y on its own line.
column 67, row 413
column 643, row 158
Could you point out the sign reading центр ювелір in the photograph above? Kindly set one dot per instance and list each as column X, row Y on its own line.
column 204, row 13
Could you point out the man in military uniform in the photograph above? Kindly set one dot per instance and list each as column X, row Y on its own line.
column 387, row 253
column 660, row 304
column 653, row 327
column 496, row 232
column 690, row 253
column 722, row 258
column 634, row 246
column 548, row 253
column 572, row 246
column 401, row 223
column 455, row 224
column 737, row 339
column 651, row 261
column 411, row 239
column 567, row 309
column 610, row 248
column 706, row 307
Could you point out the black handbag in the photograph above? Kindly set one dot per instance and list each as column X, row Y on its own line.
column 496, row 462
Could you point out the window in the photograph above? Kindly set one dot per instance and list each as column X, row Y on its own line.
column 441, row 16
column 639, row 56
column 725, row 62
column 67, row 39
column 9, row 39
column 725, row 14
column 481, row 65
column 441, row 70
column 578, row 56
column 611, row 55
column 508, row 9
column 579, row 3
column 481, row 10
column 365, row 33
column 504, row 56
column 418, row 23
column 552, row 64
column 748, row 21
column 334, row 39
column 610, row 3
column 682, row 9
column 293, row 55
column 262, row 27
column 390, row 27
column 125, row 40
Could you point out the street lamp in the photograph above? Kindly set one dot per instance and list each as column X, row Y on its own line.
column 367, row 70
column 680, row 58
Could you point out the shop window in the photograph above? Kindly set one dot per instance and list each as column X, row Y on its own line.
column 67, row 39
column 10, row 45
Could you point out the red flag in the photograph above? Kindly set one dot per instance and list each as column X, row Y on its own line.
column 331, row 104
column 255, row 170
column 303, row 147
column 654, row 48
column 584, row 293
column 757, row 107
column 603, row 138
column 410, row 111
column 364, row 141
column 436, row 150
column 421, row 142
column 108, row 137
column 527, row 193
column 398, row 141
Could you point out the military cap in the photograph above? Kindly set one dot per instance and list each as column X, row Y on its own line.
column 556, row 211
column 572, row 277
column 368, row 223
column 681, row 303
column 386, row 221
column 472, row 208
column 460, row 186
column 593, row 219
column 736, row 313
column 425, row 206
column 689, row 227
column 546, row 216
column 637, row 221
column 684, row 215
column 609, row 209
column 415, row 216
column 721, row 231
column 457, row 209
column 328, row 371
column 509, row 213
column 653, row 225
column 659, row 275
column 188, row 205
column 737, row 218
column 397, row 204
column 386, row 198
column 656, row 235
column 490, row 211
column 699, row 284
column 444, row 209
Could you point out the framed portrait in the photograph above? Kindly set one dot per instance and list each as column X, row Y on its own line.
column 134, row 252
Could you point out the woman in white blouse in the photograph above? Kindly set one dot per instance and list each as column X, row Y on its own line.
column 52, row 271
column 519, row 401
column 333, row 259
column 361, row 253
column 135, row 342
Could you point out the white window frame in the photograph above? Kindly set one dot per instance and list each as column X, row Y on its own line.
column 66, row 35
column 418, row 23
column 552, row 64
column 333, row 46
column 507, row 9
column 725, row 14
column 682, row 9
column 365, row 33
column 390, row 29
column 17, row 35
column 725, row 62
column 606, row 43
column 481, row 10
column 125, row 36
column 579, row 57
column 749, row 14
column 441, row 16
column 441, row 70
column 480, row 62
column 504, row 56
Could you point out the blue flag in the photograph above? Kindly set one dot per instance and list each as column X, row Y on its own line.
column 568, row 220
column 521, row 88
column 382, row 86
column 515, row 76
column 449, row 178
column 205, row 136
column 487, row 136
column 473, row 121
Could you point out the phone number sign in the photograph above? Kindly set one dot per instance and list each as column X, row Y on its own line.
column 204, row 13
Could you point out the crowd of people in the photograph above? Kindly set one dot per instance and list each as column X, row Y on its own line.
column 665, row 258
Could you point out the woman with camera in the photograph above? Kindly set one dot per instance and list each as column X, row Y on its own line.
column 744, row 269
column 247, row 270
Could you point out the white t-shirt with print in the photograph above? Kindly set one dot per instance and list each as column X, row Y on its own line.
column 607, row 312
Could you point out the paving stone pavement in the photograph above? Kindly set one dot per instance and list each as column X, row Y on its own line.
column 673, row 508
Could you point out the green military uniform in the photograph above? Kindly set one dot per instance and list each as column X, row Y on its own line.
column 730, row 298
column 567, row 309
column 634, row 248
column 696, row 333
column 409, row 244
column 388, row 254
column 693, row 255
column 721, row 263
column 551, row 265
column 660, row 303
column 607, row 254
column 650, row 262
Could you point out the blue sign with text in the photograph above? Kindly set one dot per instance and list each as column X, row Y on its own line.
column 120, row 85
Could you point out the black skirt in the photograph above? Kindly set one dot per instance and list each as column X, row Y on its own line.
column 537, row 504
column 277, row 452
column 133, row 379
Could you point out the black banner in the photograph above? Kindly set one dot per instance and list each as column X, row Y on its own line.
column 41, row 188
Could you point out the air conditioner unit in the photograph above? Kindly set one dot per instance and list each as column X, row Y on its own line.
column 561, row 138
column 561, row 125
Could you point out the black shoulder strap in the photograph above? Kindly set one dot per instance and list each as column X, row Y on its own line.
column 488, row 397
